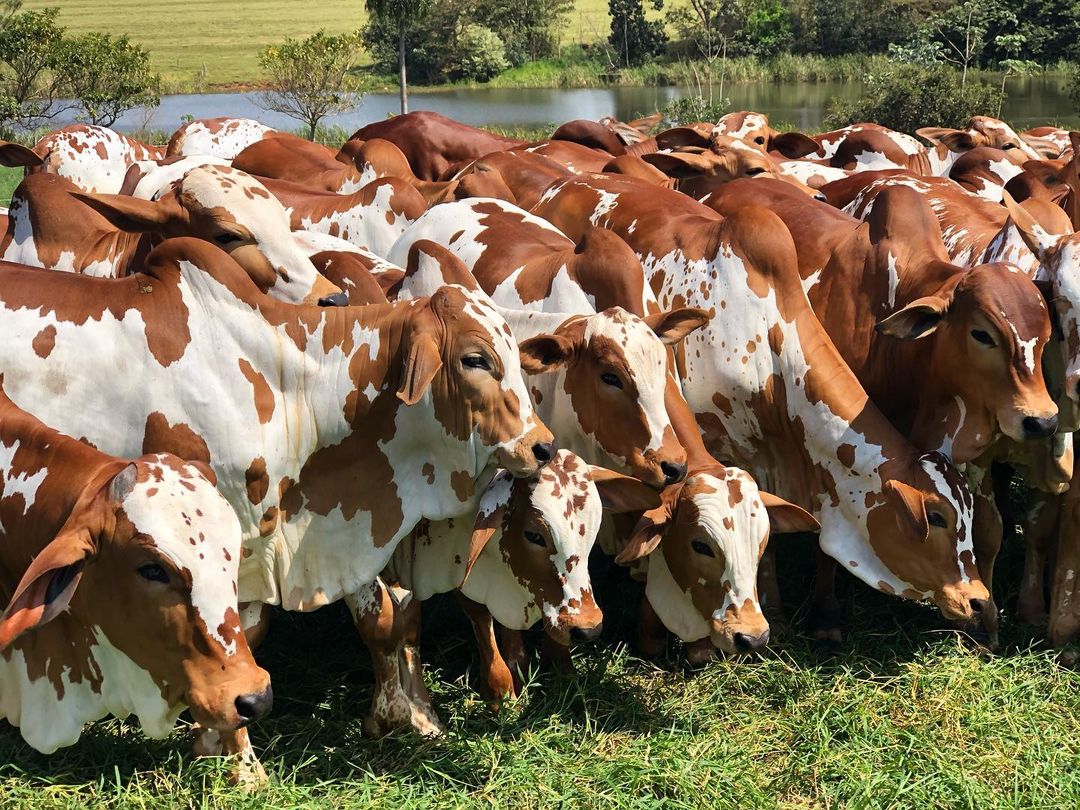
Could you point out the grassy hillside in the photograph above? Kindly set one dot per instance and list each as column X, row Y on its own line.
column 217, row 41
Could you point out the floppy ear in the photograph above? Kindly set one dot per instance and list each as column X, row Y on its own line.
column 1044, row 146
column 621, row 493
column 489, row 517
column 421, row 366
column 543, row 353
column 647, row 534
column 954, row 139
column 428, row 257
column 793, row 145
column 681, row 136
column 681, row 164
column 131, row 213
column 675, row 324
column 910, row 508
column 1035, row 236
column 918, row 319
column 14, row 154
column 787, row 518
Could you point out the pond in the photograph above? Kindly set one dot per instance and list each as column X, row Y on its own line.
column 1031, row 101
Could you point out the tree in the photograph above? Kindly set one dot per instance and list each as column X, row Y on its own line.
column 106, row 76
column 399, row 13
column 309, row 78
column 528, row 28
column 29, row 85
column 633, row 37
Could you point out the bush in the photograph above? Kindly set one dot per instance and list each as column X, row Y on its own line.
column 529, row 30
column 906, row 97
column 767, row 30
column 693, row 108
column 29, row 41
column 634, row 38
column 1074, row 86
column 107, row 76
column 480, row 55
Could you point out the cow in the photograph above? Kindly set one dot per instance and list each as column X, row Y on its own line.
column 772, row 394
column 332, row 431
column 1049, row 142
column 119, row 581
column 830, row 142
column 217, row 137
column 52, row 224
column 93, row 158
column 981, row 130
column 753, row 129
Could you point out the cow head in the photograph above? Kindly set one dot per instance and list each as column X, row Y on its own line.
column 753, row 129
column 981, row 131
column 614, row 368
column 703, row 545
column 461, row 356
column 232, row 210
column 536, row 535
column 148, row 561
column 991, row 326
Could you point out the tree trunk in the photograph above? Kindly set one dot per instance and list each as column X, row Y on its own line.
column 402, row 80
column 312, row 126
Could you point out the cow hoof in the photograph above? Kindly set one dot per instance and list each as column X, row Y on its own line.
column 417, row 717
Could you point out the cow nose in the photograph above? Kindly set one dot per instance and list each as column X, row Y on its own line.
column 744, row 642
column 978, row 605
column 1039, row 428
column 579, row 635
column 252, row 707
column 338, row 299
column 673, row 473
column 544, row 451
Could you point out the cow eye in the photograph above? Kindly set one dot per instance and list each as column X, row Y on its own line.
column 227, row 238
column 476, row 361
column 936, row 519
column 754, row 171
column 611, row 379
column 536, row 539
column 702, row 548
column 1009, row 146
column 152, row 572
column 760, row 140
column 982, row 337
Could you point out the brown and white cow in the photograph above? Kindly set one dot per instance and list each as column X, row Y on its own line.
column 752, row 128
column 52, row 224
column 773, row 395
column 119, row 581
column 332, row 431
column 94, row 158
column 217, row 137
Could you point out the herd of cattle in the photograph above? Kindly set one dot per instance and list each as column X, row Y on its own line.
column 273, row 373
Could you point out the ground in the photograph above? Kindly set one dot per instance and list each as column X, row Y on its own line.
column 221, row 39
column 905, row 716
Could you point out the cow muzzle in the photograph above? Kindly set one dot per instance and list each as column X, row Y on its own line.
column 745, row 632
column 963, row 601
column 582, row 627
column 233, row 704
column 525, row 457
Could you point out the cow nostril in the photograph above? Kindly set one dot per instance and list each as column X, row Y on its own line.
column 252, row 707
column 673, row 473
column 742, row 642
column 1039, row 428
column 582, row 634
column 978, row 605
column 544, row 451
column 338, row 299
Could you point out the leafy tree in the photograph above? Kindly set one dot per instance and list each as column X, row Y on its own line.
column 767, row 30
column 480, row 54
column 633, row 37
column 529, row 29
column 399, row 14
column 907, row 97
column 106, row 76
column 309, row 78
column 29, row 85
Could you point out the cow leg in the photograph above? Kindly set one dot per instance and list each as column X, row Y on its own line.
column 824, row 619
column 700, row 652
column 512, row 644
column 1040, row 534
column 557, row 656
column 1064, row 624
column 380, row 621
column 987, row 531
column 413, row 667
column 769, row 591
column 496, row 682
column 246, row 771
column 651, row 633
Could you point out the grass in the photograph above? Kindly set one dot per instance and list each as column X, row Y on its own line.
column 906, row 716
column 9, row 179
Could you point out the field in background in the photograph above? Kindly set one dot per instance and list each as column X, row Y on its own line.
column 195, row 43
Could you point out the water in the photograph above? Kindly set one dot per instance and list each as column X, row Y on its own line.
column 1032, row 101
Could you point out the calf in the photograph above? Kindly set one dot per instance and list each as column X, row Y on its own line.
column 53, row 225
column 119, row 579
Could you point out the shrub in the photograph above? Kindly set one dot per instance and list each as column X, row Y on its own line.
column 106, row 76
column 1074, row 86
column 634, row 38
column 905, row 97
column 480, row 55
column 29, row 85
column 693, row 108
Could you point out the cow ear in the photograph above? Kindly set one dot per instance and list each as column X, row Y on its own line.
column 681, row 164
column 918, row 319
column 647, row 534
column 620, row 493
column 490, row 515
column 14, row 155
column 955, row 140
column 544, row 353
column 787, row 518
column 678, row 137
column 421, row 366
column 675, row 324
column 1035, row 236
column 910, row 508
column 1045, row 147
column 793, row 145
column 428, row 257
column 205, row 470
column 46, row 588
column 132, row 214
